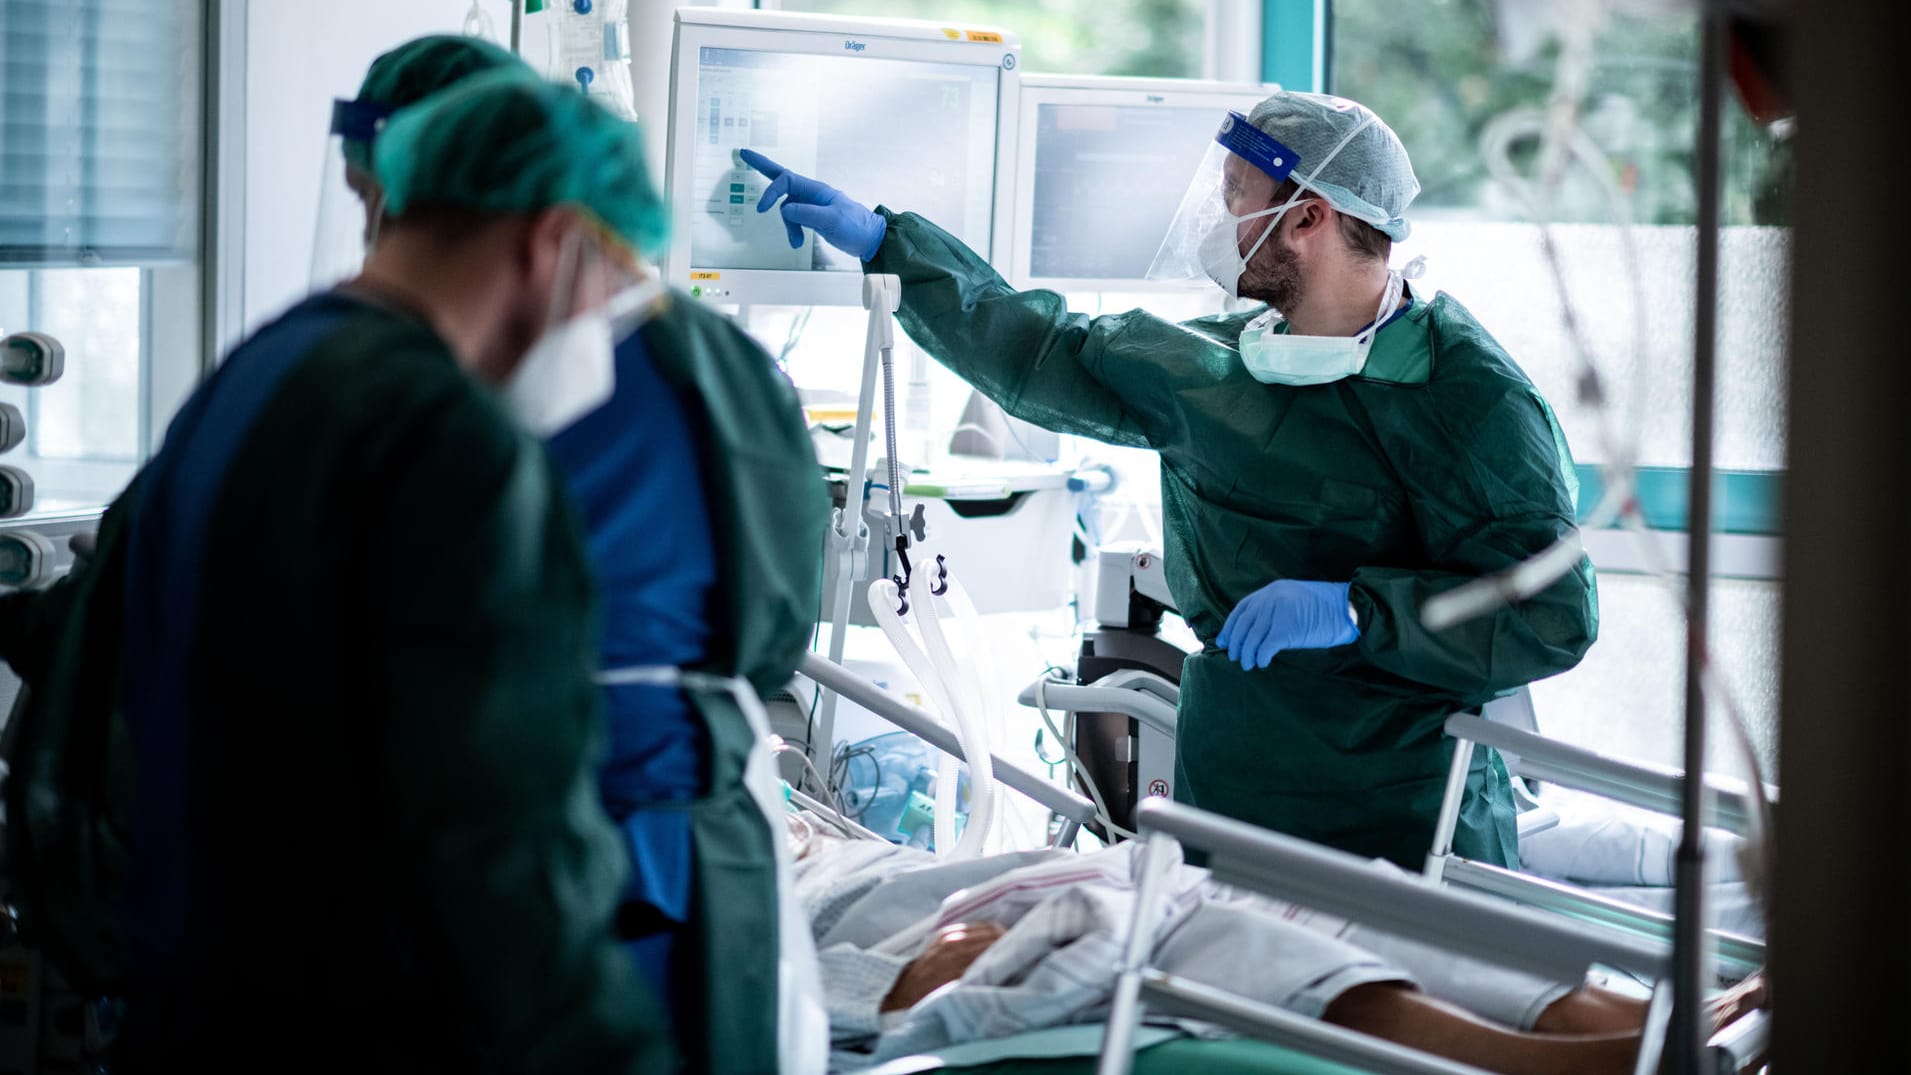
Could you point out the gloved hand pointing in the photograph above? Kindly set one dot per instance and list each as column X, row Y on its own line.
column 1287, row 614
column 842, row 221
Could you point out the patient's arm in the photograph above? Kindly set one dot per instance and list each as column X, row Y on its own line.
column 944, row 961
column 1402, row 1014
column 1589, row 1030
column 861, row 985
column 1591, row 1010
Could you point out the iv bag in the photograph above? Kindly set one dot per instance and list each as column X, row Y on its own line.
column 592, row 47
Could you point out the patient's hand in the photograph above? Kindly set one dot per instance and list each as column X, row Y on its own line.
column 954, row 948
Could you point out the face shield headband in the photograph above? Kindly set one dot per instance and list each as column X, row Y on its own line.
column 350, row 203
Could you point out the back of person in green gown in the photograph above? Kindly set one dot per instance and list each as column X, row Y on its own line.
column 340, row 634
column 1324, row 473
column 702, row 507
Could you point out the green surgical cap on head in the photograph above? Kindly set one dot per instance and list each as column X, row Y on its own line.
column 419, row 68
column 508, row 142
column 1370, row 178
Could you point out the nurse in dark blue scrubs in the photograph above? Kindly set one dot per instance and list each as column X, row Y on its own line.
column 704, row 511
column 634, row 468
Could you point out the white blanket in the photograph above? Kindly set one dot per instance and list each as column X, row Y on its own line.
column 1628, row 854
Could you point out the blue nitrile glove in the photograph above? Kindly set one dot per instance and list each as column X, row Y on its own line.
column 1287, row 614
column 841, row 220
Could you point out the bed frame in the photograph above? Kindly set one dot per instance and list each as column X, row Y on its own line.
column 1407, row 905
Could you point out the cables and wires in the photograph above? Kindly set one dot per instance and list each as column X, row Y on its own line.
column 1618, row 445
column 797, row 324
column 816, row 701
column 1563, row 145
column 1075, row 766
column 477, row 23
column 840, row 761
column 779, row 746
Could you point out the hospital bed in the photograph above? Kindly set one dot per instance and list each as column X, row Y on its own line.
column 1586, row 931
column 1289, row 869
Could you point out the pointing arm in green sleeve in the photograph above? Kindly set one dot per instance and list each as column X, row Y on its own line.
column 1104, row 377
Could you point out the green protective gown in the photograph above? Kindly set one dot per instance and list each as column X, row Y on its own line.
column 1438, row 465
column 401, row 858
column 770, row 511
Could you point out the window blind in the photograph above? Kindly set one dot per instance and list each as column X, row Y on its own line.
column 99, row 132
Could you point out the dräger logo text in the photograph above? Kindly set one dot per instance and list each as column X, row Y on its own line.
column 855, row 46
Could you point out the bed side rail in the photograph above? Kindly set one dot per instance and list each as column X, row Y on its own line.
column 1737, row 955
column 1128, row 692
column 1650, row 787
column 1352, row 887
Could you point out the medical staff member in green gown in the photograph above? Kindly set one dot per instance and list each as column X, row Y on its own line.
column 337, row 637
column 690, row 467
column 1324, row 471
column 351, row 205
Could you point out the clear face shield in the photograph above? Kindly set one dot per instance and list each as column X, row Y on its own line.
column 1229, row 211
column 350, row 200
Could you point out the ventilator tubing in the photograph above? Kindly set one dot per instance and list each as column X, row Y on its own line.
column 964, row 692
column 955, row 699
column 990, row 696
column 948, row 774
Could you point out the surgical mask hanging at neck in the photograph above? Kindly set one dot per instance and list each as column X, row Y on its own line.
column 1286, row 358
column 634, row 307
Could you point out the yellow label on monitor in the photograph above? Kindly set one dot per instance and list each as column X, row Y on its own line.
column 985, row 37
column 953, row 35
column 706, row 276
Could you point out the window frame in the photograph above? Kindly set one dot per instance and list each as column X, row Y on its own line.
column 1750, row 543
column 186, row 308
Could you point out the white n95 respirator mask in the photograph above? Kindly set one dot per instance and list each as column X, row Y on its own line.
column 1221, row 255
column 572, row 370
column 569, row 372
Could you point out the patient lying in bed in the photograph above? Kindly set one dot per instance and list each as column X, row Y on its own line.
column 919, row 954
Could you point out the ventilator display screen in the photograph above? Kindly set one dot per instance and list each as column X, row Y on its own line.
column 1107, row 181
column 908, row 134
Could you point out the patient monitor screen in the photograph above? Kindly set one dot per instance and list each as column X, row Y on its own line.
column 907, row 134
column 1108, row 179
